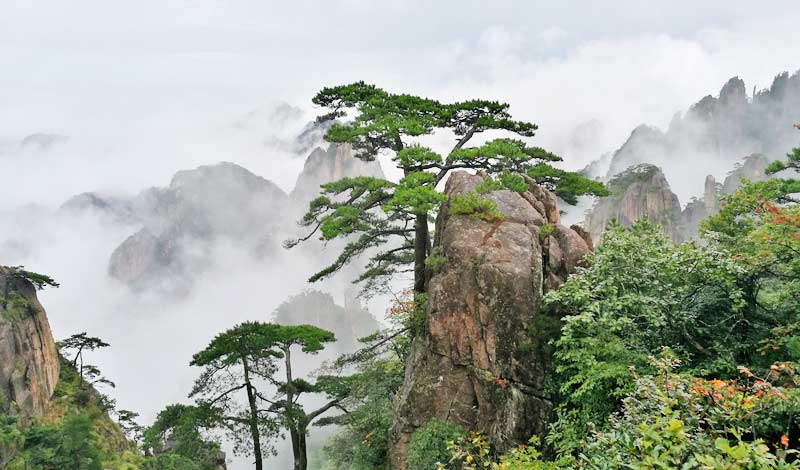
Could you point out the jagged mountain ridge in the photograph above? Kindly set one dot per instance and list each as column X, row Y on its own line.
column 199, row 207
column 721, row 129
column 643, row 191
column 180, row 223
column 324, row 166
column 730, row 131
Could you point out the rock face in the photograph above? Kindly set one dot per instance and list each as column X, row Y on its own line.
column 698, row 209
column 182, row 221
column 643, row 191
column 29, row 363
column 483, row 359
column 751, row 168
column 324, row 166
column 640, row 191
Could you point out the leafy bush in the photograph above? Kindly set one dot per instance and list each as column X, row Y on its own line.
column 641, row 293
column 11, row 438
column 473, row 452
column 678, row 421
column 473, row 205
column 429, row 444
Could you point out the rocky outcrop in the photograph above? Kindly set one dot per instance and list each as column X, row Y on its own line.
column 349, row 322
column 324, row 166
column 751, row 168
column 640, row 191
column 183, row 221
column 483, row 358
column 699, row 209
column 643, row 191
column 29, row 362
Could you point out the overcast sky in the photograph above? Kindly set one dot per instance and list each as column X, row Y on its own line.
column 115, row 68
column 142, row 87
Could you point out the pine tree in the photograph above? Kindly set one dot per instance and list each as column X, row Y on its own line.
column 377, row 211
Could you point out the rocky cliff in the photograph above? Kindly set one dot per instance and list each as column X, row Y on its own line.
column 640, row 191
column 324, row 166
column 643, row 191
column 483, row 358
column 29, row 362
column 180, row 224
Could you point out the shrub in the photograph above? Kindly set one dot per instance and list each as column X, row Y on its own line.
column 473, row 205
column 429, row 444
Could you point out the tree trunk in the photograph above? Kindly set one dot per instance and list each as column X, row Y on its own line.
column 301, row 463
column 421, row 236
column 251, row 398
column 298, row 440
column 296, row 451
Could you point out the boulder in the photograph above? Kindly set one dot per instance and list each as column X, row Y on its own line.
column 483, row 358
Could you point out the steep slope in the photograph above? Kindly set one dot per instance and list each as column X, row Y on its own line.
column 182, row 222
column 643, row 191
column 29, row 363
column 324, row 166
column 483, row 358
column 45, row 405
column 640, row 191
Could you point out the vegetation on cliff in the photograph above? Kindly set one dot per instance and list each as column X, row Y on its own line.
column 375, row 211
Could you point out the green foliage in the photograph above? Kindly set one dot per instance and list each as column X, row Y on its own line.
column 473, row 205
column 39, row 281
column 545, row 231
column 436, row 260
column 638, row 173
column 370, row 212
column 363, row 442
column 678, row 421
column 566, row 185
column 473, row 452
column 244, row 357
column 184, row 426
column 429, row 444
column 639, row 294
column 72, row 444
column 504, row 180
column 12, row 438
column 15, row 306
column 171, row 461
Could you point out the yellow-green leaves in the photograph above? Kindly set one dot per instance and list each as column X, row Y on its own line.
column 415, row 194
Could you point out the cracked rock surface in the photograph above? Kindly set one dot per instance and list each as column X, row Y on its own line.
column 29, row 363
column 483, row 359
